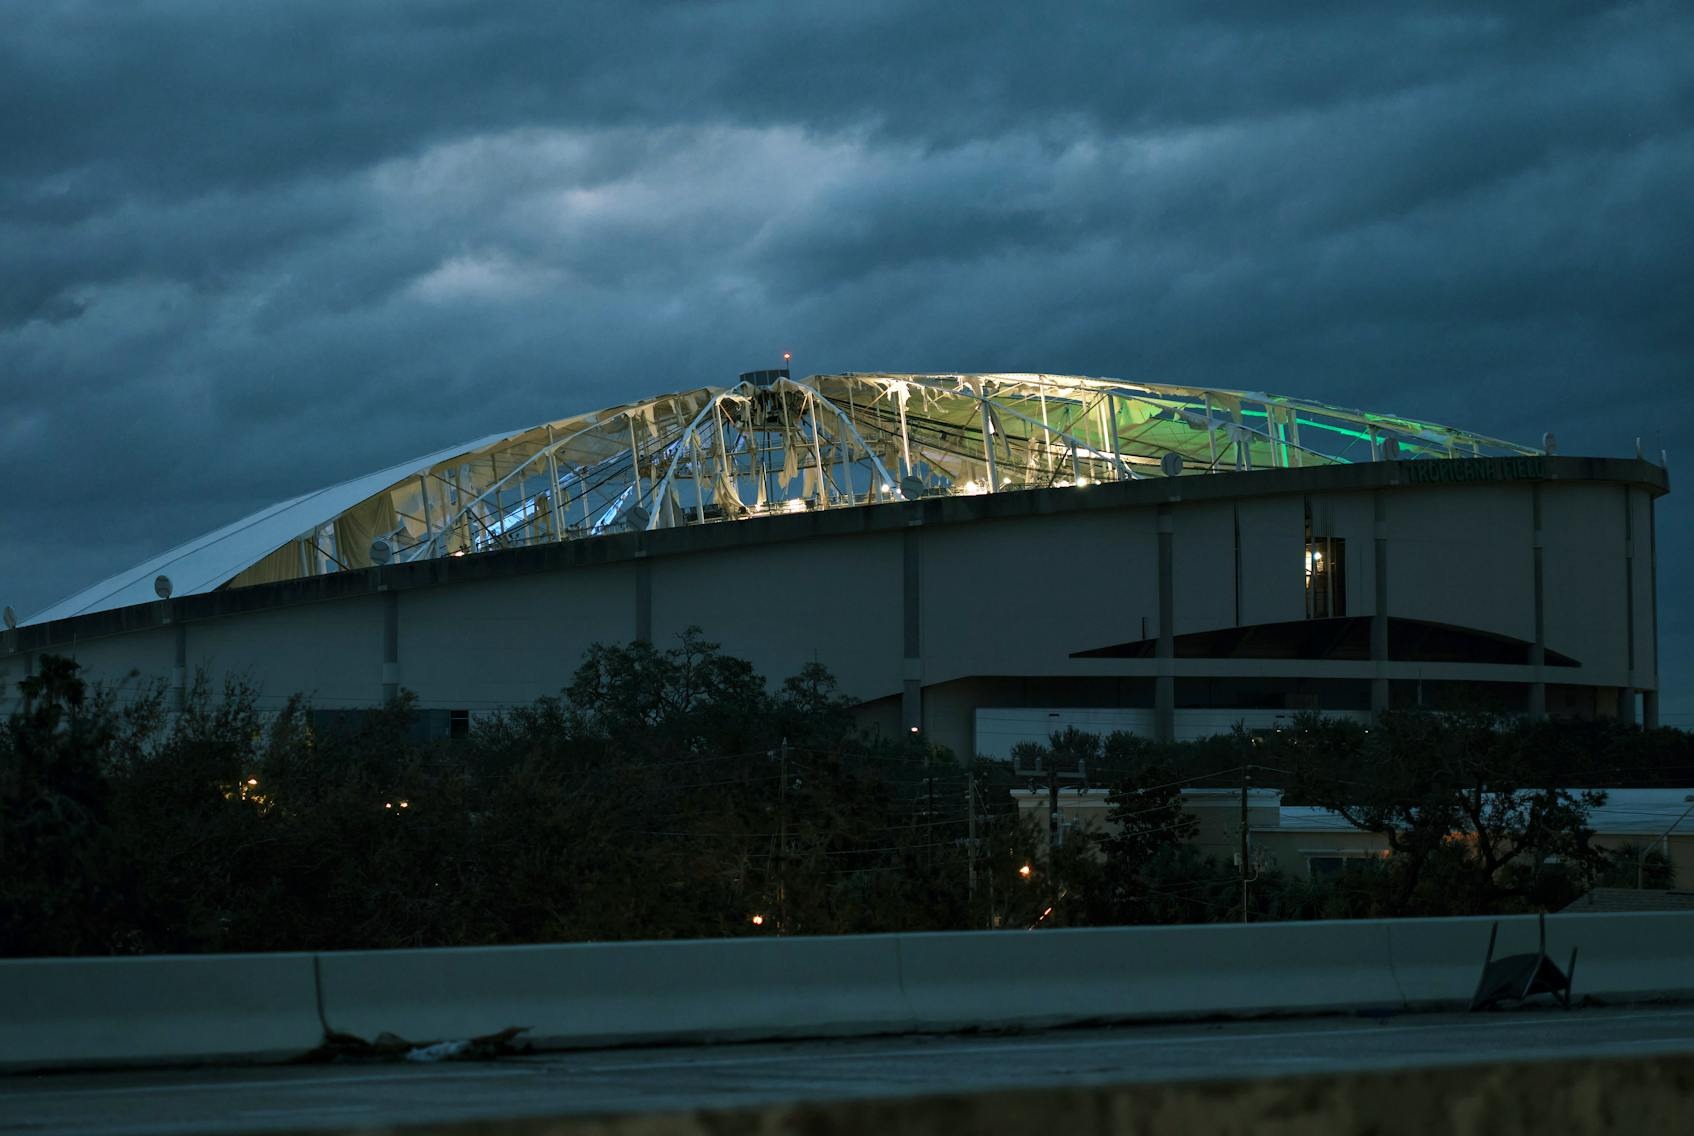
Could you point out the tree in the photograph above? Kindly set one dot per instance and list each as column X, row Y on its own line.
column 64, row 879
column 1466, row 802
column 1148, row 858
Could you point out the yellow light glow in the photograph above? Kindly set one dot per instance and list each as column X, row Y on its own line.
column 461, row 552
column 388, row 804
column 252, row 780
column 405, row 804
column 758, row 920
column 1024, row 871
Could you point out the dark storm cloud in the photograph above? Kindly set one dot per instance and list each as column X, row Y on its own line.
column 249, row 250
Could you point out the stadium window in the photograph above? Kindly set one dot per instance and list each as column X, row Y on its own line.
column 458, row 723
column 1326, row 574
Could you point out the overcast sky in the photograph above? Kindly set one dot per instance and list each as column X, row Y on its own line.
column 247, row 250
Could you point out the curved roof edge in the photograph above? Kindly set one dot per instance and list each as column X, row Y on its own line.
column 629, row 547
column 772, row 443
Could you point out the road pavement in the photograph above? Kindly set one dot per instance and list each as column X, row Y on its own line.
column 304, row 1097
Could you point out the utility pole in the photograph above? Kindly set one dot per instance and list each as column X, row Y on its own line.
column 1246, row 776
column 970, row 859
column 929, row 821
column 1054, row 833
column 782, row 841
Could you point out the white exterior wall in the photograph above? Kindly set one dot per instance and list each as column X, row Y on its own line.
column 1464, row 555
column 1014, row 596
column 485, row 644
column 331, row 652
column 998, row 729
column 125, row 664
column 1273, row 559
column 1018, row 596
column 1582, row 531
column 837, row 602
column 1641, row 506
column 150, row 654
column 1203, row 566
column 1352, row 517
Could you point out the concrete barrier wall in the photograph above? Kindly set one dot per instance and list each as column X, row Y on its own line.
column 150, row 1010
column 60, row 1012
column 1621, row 957
column 1147, row 972
column 608, row 993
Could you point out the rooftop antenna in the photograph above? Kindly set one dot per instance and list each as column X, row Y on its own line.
column 1549, row 444
column 1171, row 464
column 162, row 587
column 381, row 553
column 787, row 359
column 11, row 618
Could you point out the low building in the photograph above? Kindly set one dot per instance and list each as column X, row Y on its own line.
column 1312, row 842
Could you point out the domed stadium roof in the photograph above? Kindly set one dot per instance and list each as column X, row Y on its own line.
column 773, row 444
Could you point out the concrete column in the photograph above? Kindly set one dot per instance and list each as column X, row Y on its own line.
column 1235, row 525
column 1627, row 705
column 179, row 667
column 1164, row 684
column 1650, row 697
column 1379, row 613
column 1538, row 649
column 911, row 619
column 390, row 645
column 643, row 598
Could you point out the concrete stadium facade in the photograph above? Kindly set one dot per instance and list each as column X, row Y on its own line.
column 1179, row 600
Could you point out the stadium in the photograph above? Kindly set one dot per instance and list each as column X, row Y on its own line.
column 976, row 557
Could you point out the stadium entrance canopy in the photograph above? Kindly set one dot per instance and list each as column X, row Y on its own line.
column 774, row 444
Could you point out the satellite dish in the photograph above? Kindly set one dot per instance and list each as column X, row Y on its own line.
column 911, row 487
column 1171, row 464
column 11, row 618
column 1391, row 448
column 1549, row 444
column 381, row 553
column 636, row 518
column 162, row 587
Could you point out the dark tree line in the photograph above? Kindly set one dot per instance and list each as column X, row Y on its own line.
column 666, row 793
column 1480, row 814
column 670, row 793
